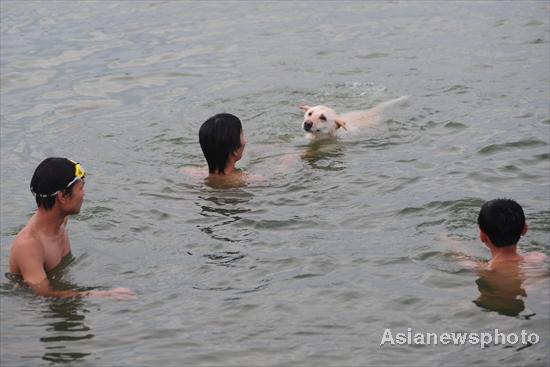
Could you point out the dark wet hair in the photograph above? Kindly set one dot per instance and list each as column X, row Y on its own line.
column 52, row 175
column 220, row 136
column 502, row 220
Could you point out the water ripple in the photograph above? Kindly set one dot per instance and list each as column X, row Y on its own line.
column 521, row 144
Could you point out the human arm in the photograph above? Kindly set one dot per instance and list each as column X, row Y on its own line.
column 285, row 161
column 27, row 260
column 460, row 253
column 44, row 289
column 197, row 172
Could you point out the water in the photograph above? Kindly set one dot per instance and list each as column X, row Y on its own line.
column 310, row 266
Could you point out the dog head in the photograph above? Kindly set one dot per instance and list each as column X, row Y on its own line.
column 321, row 121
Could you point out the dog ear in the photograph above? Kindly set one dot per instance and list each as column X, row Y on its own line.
column 304, row 107
column 340, row 123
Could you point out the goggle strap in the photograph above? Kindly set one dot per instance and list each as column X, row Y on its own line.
column 79, row 173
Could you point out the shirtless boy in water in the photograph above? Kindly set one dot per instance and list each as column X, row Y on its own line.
column 222, row 141
column 501, row 281
column 58, row 186
column 501, row 225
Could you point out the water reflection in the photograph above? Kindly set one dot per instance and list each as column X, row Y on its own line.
column 65, row 325
column 226, row 258
column 325, row 154
column 502, row 290
column 64, row 317
column 221, row 212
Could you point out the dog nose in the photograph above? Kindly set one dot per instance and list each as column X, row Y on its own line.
column 307, row 125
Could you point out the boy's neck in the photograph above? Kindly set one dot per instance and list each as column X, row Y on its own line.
column 229, row 169
column 230, row 165
column 504, row 253
column 49, row 221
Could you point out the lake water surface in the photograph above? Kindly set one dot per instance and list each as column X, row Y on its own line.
column 310, row 266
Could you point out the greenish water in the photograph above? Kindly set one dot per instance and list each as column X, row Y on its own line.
column 311, row 265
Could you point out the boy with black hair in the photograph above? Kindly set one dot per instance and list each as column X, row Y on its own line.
column 501, row 225
column 501, row 280
column 222, row 142
column 58, row 187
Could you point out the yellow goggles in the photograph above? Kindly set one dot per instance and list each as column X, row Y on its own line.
column 79, row 174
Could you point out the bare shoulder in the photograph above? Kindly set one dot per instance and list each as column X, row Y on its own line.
column 26, row 246
column 26, row 241
column 25, row 237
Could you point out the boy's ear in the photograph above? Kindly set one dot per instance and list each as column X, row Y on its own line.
column 483, row 236
column 304, row 107
column 525, row 228
column 61, row 197
column 340, row 123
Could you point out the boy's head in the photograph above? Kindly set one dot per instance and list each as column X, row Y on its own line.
column 219, row 137
column 503, row 221
column 54, row 175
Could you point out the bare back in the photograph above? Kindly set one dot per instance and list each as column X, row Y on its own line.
column 502, row 284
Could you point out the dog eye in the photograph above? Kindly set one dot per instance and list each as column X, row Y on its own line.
column 309, row 114
column 322, row 117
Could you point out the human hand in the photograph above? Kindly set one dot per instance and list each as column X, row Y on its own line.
column 118, row 293
column 450, row 241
